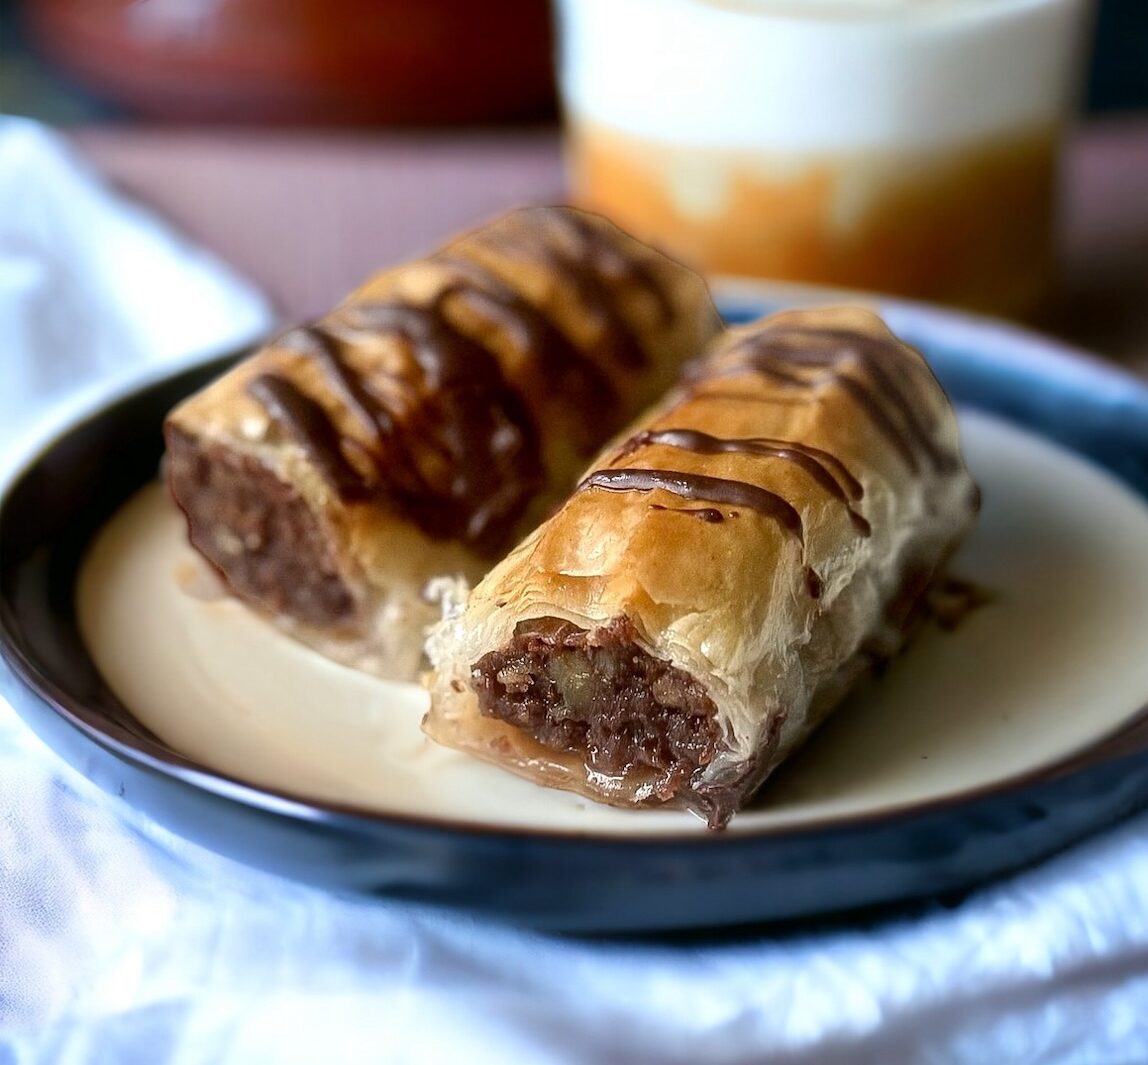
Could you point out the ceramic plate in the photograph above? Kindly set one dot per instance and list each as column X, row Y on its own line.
column 980, row 750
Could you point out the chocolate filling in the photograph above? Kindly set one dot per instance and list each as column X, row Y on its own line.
column 257, row 532
column 597, row 694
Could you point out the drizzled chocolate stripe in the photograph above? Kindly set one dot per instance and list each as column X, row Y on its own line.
column 555, row 358
column 888, row 406
column 464, row 463
column 464, row 457
column 698, row 487
column 310, row 426
column 873, row 353
column 824, row 468
column 388, row 452
column 478, row 422
column 765, row 363
column 609, row 259
column 583, row 269
column 374, row 418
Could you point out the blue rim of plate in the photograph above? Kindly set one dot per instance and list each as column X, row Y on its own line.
column 634, row 883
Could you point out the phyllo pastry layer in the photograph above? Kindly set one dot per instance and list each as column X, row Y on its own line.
column 426, row 423
column 720, row 577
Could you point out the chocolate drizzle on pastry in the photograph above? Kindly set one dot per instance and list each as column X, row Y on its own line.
column 311, row 427
column 803, row 360
column 389, row 452
column 787, row 357
column 597, row 256
column 555, row 360
column 462, row 466
column 451, row 441
column 640, row 658
column 825, row 469
column 696, row 486
column 782, row 357
column 586, row 260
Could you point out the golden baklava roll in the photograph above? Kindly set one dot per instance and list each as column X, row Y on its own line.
column 425, row 424
column 720, row 576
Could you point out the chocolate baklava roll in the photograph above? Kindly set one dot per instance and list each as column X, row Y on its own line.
column 425, row 424
column 719, row 578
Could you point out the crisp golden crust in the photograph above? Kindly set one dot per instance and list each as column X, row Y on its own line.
column 434, row 416
column 754, row 530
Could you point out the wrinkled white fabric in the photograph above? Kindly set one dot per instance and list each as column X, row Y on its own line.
column 122, row 944
column 92, row 284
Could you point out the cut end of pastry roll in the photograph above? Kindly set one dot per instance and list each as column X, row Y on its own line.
column 612, row 709
column 720, row 578
column 421, row 427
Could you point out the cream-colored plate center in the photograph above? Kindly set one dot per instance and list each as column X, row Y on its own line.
column 1057, row 660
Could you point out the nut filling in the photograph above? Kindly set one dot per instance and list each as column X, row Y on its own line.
column 596, row 693
column 257, row 532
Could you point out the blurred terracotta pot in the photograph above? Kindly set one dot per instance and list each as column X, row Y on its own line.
column 306, row 61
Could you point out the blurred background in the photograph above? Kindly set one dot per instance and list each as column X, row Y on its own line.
column 283, row 134
column 318, row 61
column 313, row 62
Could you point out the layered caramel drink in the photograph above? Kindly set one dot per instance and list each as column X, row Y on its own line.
column 907, row 146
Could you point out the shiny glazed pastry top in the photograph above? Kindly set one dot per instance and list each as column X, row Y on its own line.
column 426, row 423
column 721, row 575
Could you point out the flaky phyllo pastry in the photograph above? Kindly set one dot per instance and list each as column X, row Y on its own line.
column 721, row 575
column 426, row 424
